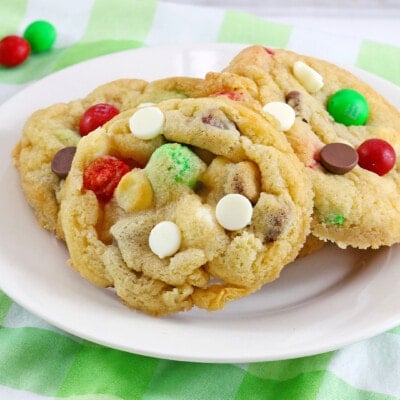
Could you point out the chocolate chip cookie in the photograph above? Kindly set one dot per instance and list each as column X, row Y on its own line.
column 190, row 202
column 343, row 131
column 50, row 136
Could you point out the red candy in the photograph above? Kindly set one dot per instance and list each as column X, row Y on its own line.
column 95, row 116
column 376, row 155
column 231, row 95
column 103, row 175
column 14, row 50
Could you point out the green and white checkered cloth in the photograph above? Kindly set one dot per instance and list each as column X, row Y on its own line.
column 37, row 361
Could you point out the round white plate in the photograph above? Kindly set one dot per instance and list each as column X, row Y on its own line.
column 320, row 303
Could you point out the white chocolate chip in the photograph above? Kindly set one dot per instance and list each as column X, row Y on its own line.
column 234, row 211
column 308, row 76
column 147, row 122
column 165, row 239
column 134, row 191
column 282, row 112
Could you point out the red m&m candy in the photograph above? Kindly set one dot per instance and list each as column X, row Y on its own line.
column 103, row 175
column 14, row 50
column 376, row 155
column 95, row 116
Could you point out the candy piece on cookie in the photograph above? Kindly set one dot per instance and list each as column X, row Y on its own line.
column 283, row 112
column 165, row 239
column 308, row 76
column 103, row 175
column 147, row 122
column 134, row 191
column 376, row 155
column 345, row 133
column 173, row 169
column 62, row 160
column 229, row 206
column 95, row 116
column 349, row 107
column 234, row 211
column 338, row 158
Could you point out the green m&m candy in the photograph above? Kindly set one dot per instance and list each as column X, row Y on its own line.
column 41, row 35
column 348, row 107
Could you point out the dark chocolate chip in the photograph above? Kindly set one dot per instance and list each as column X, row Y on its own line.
column 62, row 161
column 293, row 98
column 338, row 158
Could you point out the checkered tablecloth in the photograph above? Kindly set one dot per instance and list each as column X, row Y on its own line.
column 38, row 361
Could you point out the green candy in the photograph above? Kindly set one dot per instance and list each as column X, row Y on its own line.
column 348, row 107
column 173, row 168
column 41, row 35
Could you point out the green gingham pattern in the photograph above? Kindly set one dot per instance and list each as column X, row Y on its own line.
column 38, row 361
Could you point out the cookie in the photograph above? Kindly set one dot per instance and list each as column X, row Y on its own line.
column 199, row 202
column 343, row 131
column 59, row 127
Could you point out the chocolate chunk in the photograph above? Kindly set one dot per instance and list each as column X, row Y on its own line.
column 243, row 178
column 272, row 217
column 338, row 158
column 276, row 225
column 211, row 120
column 217, row 118
column 293, row 98
column 62, row 161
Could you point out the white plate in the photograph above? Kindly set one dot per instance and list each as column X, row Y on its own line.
column 321, row 303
